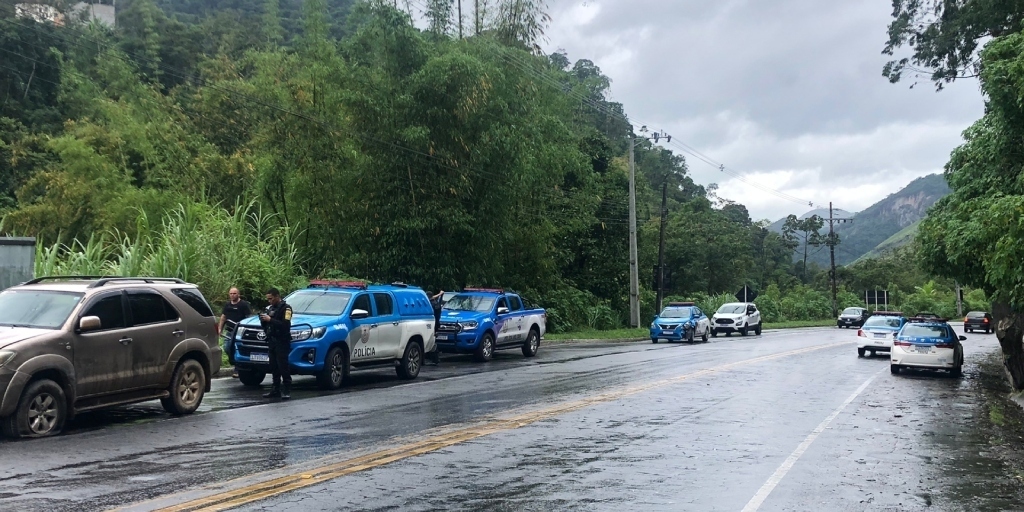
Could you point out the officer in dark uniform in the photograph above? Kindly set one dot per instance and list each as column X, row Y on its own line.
column 277, row 322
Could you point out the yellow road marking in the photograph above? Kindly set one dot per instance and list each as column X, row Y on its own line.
column 281, row 485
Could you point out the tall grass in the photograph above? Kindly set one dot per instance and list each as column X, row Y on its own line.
column 199, row 243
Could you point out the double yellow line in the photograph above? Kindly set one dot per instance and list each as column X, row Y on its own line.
column 269, row 488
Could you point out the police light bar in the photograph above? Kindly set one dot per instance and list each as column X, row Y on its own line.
column 927, row 319
column 338, row 284
column 489, row 290
column 679, row 304
column 888, row 313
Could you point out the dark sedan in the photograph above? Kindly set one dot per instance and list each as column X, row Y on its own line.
column 852, row 317
column 979, row 321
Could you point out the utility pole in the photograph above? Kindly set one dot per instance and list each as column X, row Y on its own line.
column 832, row 243
column 634, row 272
column 661, row 246
column 959, row 302
column 460, row 19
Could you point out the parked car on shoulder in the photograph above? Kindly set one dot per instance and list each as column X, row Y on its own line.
column 78, row 343
column 852, row 317
column 878, row 331
column 680, row 321
column 979, row 321
column 928, row 343
column 341, row 326
column 741, row 317
column 480, row 321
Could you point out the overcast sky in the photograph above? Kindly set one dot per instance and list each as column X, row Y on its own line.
column 788, row 93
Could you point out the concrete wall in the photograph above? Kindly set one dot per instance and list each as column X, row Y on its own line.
column 17, row 260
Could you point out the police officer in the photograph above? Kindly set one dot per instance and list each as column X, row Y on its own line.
column 436, row 302
column 277, row 322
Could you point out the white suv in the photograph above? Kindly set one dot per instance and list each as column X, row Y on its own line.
column 741, row 317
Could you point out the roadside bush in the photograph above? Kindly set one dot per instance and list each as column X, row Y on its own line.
column 803, row 303
column 199, row 243
column 570, row 308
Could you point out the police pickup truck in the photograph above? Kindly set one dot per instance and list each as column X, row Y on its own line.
column 339, row 326
column 479, row 321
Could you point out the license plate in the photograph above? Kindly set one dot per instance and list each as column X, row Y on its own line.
column 255, row 356
column 442, row 337
column 923, row 349
column 879, row 334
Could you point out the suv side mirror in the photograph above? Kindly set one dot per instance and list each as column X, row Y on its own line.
column 502, row 310
column 358, row 314
column 751, row 310
column 963, row 338
column 89, row 323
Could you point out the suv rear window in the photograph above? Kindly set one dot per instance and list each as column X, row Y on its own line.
column 150, row 308
column 976, row 314
column 194, row 299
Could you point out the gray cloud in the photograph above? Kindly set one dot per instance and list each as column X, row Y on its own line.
column 789, row 93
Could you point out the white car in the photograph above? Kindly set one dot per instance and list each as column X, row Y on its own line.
column 741, row 317
column 928, row 343
column 878, row 331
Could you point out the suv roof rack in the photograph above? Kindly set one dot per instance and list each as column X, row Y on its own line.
column 58, row 278
column 148, row 280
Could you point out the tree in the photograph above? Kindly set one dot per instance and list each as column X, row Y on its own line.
column 807, row 232
column 945, row 35
column 976, row 234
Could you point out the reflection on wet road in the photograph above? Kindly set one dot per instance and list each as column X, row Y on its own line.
column 582, row 427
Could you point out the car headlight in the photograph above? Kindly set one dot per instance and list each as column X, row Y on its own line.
column 654, row 325
column 468, row 326
column 6, row 356
column 305, row 334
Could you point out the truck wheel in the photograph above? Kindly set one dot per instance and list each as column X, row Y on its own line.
column 188, row 385
column 486, row 349
column 251, row 378
column 757, row 330
column 409, row 366
column 531, row 344
column 41, row 412
column 333, row 374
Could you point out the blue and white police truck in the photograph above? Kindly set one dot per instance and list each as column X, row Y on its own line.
column 480, row 321
column 340, row 326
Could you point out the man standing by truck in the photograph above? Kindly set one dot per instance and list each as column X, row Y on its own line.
column 277, row 323
column 235, row 310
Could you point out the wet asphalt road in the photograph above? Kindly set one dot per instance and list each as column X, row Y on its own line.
column 790, row 420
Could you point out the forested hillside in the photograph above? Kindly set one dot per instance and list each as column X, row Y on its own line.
column 261, row 143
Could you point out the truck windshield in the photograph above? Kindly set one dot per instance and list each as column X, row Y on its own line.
column 477, row 303
column 36, row 309
column 318, row 303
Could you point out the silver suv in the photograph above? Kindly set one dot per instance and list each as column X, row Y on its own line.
column 73, row 344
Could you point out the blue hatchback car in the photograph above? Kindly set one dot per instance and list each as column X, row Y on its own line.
column 680, row 321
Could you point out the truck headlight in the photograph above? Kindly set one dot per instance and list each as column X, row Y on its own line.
column 469, row 326
column 6, row 356
column 306, row 334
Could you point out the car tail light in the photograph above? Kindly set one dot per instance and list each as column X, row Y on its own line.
column 944, row 345
column 860, row 332
column 965, row 319
column 984, row 320
column 899, row 343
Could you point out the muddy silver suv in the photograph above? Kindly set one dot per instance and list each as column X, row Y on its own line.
column 73, row 344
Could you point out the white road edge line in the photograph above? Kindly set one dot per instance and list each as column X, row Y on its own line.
column 780, row 473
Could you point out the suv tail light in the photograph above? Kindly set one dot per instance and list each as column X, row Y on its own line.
column 965, row 319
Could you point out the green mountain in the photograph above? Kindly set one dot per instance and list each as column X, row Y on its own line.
column 887, row 224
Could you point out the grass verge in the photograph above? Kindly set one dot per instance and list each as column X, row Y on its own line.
column 799, row 323
column 592, row 334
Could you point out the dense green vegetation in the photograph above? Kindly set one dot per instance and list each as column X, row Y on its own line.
column 262, row 143
column 976, row 234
